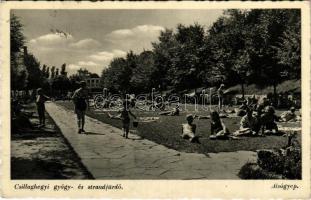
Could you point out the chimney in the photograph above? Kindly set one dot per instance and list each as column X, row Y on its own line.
column 25, row 50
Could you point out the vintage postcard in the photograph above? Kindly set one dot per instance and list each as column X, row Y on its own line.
column 155, row 99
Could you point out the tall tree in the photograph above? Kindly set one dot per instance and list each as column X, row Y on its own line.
column 273, row 24
column 63, row 70
column 35, row 77
column 47, row 73
column 163, row 53
column 43, row 69
column 74, row 81
column 19, row 72
column 289, row 48
column 116, row 77
column 17, row 37
column 53, row 72
column 141, row 80
column 187, row 62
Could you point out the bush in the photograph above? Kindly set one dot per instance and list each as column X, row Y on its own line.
column 292, row 164
column 254, row 171
column 270, row 160
column 274, row 165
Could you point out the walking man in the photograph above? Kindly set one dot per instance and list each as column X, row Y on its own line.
column 40, row 100
column 80, row 99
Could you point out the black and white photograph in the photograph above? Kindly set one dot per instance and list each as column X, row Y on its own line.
column 123, row 99
column 156, row 94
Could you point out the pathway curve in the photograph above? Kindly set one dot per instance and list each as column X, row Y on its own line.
column 107, row 155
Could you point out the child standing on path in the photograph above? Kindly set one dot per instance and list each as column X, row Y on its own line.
column 125, row 117
column 40, row 100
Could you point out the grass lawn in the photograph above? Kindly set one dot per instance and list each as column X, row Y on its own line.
column 167, row 130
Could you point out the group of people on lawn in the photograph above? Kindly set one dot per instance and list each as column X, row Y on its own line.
column 257, row 121
column 256, row 117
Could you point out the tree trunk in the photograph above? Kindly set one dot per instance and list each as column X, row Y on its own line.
column 274, row 94
column 242, row 87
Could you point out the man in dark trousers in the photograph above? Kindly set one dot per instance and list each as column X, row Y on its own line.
column 80, row 99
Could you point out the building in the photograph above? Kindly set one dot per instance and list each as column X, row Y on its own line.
column 92, row 82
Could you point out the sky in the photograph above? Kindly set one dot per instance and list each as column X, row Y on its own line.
column 92, row 38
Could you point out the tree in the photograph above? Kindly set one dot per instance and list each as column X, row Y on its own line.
column 19, row 72
column 141, row 80
column 47, row 73
column 35, row 78
column 17, row 37
column 163, row 53
column 74, row 81
column 63, row 70
column 289, row 48
column 43, row 69
column 221, row 45
column 115, row 77
column 83, row 73
column 273, row 25
column 53, row 72
column 259, row 46
column 61, row 84
column 187, row 60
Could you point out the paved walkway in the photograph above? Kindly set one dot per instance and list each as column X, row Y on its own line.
column 107, row 155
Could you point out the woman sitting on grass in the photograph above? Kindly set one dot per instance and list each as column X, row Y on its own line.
column 241, row 111
column 124, row 115
column 268, row 121
column 249, row 125
column 188, row 130
column 218, row 128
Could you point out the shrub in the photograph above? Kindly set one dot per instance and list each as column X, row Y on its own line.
column 254, row 171
column 270, row 160
column 292, row 164
column 274, row 165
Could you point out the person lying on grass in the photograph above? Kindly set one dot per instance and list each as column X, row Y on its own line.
column 188, row 130
column 268, row 119
column 124, row 115
column 174, row 112
column 289, row 115
column 218, row 128
column 249, row 125
column 222, row 115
